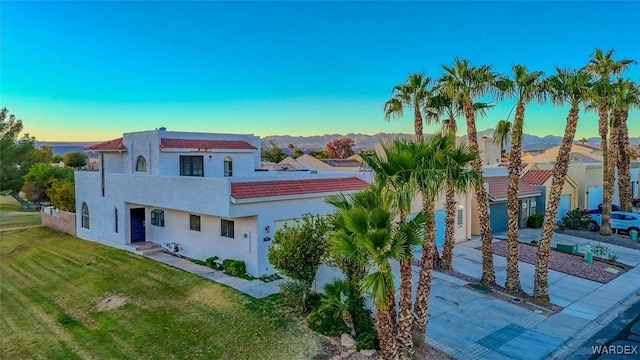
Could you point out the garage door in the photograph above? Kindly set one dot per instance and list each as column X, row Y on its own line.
column 565, row 206
column 594, row 197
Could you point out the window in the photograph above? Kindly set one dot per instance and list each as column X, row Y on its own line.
column 141, row 164
column 228, row 166
column 460, row 218
column 226, row 228
column 191, row 166
column 194, row 222
column 85, row 216
column 157, row 217
column 115, row 219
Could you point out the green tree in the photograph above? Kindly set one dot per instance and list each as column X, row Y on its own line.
column 274, row 153
column 319, row 154
column 414, row 93
column 40, row 178
column 298, row 250
column 46, row 154
column 75, row 159
column 573, row 88
column 602, row 66
column 466, row 83
column 62, row 195
column 525, row 87
column 502, row 135
column 18, row 153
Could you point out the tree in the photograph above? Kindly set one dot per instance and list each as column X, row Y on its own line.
column 525, row 87
column 583, row 140
column 502, row 135
column 45, row 154
column 318, row 154
column 602, row 66
column 572, row 88
column 414, row 93
column 297, row 251
column 75, row 159
column 18, row 154
column 625, row 96
column 62, row 195
column 274, row 153
column 40, row 178
column 339, row 148
column 467, row 82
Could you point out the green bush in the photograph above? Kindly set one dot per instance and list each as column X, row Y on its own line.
column 211, row 262
column 326, row 322
column 575, row 219
column 234, row 267
column 297, row 295
column 366, row 334
column 535, row 221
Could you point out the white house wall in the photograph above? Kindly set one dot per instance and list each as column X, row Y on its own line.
column 242, row 162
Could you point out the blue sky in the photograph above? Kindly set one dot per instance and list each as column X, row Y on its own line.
column 93, row 70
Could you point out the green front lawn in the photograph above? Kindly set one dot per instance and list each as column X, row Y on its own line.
column 65, row 298
column 12, row 215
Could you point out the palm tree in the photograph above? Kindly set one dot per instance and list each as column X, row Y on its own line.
column 393, row 167
column 626, row 96
column 583, row 140
column 467, row 83
column 602, row 66
column 525, row 87
column 413, row 93
column 572, row 88
column 502, row 135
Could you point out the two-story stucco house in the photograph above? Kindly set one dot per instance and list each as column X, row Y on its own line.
column 205, row 192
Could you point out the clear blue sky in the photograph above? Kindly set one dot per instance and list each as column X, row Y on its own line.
column 93, row 70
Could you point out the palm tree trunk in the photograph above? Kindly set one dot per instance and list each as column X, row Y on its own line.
column 405, row 316
column 385, row 325
column 488, row 272
column 421, row 305
column 541, row 282
column 417, row 124
column 607, row 170
column 624, row 160
column 450, row 218
column 512, row 284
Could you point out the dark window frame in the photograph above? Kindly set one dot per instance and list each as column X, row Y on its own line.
column 188, row 165
column 141, row 164
column 195, row 222
column 227, row 228
column 228, row 166
column 115, row 219
column 85, row 216
column 157, row 217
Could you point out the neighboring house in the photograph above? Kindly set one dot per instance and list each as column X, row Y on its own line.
column 489, row 151
column 541, row 179
column 353, row 163
column 579, row 153
column 496, row 187
column 205, row 192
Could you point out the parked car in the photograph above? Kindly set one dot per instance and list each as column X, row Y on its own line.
column 620, row 220
column 636, row 202
column 614, row 207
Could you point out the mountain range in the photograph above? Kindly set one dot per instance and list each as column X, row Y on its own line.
column 361, row 141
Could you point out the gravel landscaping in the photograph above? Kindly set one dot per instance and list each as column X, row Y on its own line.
column 613, row 239
column 575, row 265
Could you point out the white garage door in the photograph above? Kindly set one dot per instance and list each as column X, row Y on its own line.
column 564, row 207
column 594, row 197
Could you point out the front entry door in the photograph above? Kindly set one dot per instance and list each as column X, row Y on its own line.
column 138, row 233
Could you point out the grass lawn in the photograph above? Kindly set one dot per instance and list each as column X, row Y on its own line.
column 65, row 298
column 12, row 215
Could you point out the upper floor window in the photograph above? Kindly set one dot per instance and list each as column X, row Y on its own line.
column 191, row 166
column 228, row 166
column 85, row 216
column 141, row 164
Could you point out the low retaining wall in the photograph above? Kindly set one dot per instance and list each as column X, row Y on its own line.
column 60, row 220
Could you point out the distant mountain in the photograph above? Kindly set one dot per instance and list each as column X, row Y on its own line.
column 63, row 147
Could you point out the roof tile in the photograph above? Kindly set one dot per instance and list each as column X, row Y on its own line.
column 498, row 186
column 258, row 189
column 536, row 177
column 111, row 145
column 204, row 144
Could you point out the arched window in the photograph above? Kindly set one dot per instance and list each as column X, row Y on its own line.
column 141, row 164
column 115, row 219
column 85, row 216
column 228, row 166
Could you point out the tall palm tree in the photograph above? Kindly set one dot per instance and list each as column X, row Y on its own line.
column 602, row 66
column 502, row 135
column 414, row 94
column 525, row 87
column 572, row 88
column 393, row 168
column 467, row 83
column 444, row 105
column 625, row 96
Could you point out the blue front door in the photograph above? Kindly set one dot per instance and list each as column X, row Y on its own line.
column 137, row 225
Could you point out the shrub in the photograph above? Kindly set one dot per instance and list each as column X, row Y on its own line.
column 366, row 334
column 535, row 221
column 234, row 267
column 535, row 242
column 211, row 262
column 297, row 295
column 298, row 250
column 326, row 322
column 576, row 219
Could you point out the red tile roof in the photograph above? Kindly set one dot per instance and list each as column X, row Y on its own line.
column 536, row 177
column 258, row 189
column 111, row 145
column 498, row 186
column 204, row 144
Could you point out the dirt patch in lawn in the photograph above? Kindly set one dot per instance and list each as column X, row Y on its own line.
column 599, row 271
column 613, row 239
column 111, row 302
